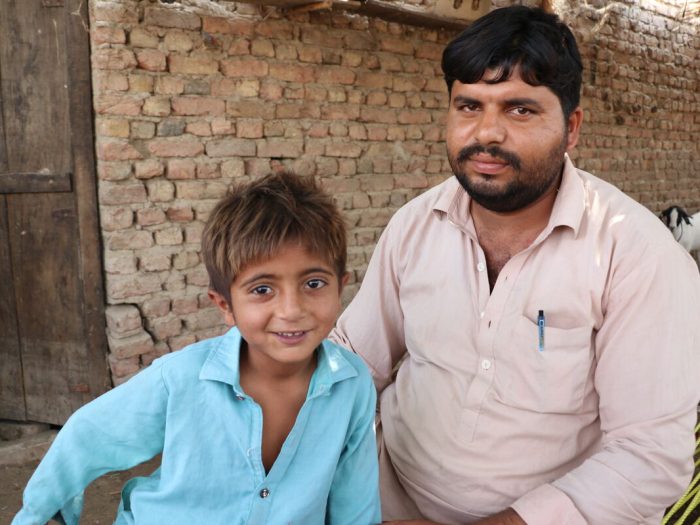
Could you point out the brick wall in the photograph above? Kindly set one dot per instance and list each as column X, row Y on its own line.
column 187, row 102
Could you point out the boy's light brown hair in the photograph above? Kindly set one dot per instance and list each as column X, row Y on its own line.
column 254, row 220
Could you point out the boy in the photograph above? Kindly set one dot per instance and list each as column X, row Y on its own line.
column 269, row 423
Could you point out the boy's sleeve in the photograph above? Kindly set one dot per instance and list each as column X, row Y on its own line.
column 354, row 494
column 116, row 431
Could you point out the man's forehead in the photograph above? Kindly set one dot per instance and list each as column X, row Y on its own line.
column 513, row 86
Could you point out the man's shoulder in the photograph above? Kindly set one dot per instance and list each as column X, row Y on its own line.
column 421, row 208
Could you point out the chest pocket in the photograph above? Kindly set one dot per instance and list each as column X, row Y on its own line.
column 551, row 380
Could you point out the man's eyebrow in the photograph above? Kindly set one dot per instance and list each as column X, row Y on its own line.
column 461, row 99
column 523, row 101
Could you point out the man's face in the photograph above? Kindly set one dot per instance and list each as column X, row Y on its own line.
column 506, row 141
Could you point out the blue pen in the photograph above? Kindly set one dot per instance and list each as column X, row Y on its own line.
column 540, row 330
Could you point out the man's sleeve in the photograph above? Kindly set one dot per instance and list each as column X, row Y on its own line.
column 354, row 494
column 372, row 325
column 648, row 358
column 116, row 431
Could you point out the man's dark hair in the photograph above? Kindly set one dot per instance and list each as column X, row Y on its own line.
column 539, row 43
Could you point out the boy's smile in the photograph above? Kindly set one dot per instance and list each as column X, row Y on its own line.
column 284, row 307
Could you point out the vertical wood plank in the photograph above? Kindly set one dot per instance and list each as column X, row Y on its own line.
column 11, row 385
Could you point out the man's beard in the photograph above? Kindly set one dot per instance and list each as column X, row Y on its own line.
column 529, row 184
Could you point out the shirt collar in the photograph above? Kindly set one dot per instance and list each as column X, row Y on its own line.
column 453, row 201
column 223, row 361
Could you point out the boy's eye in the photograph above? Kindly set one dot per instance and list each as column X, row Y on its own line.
column 315, row 284
column 261, row 290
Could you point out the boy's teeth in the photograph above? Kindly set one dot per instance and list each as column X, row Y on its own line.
column 290, row 334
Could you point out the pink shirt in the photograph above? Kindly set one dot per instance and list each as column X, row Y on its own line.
column 594, row 427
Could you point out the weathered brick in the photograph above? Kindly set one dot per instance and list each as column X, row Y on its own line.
column 113, row 58
column 167, row 85
column 280, row 148
column 131, row 286
column 156, row 307
column 180, row 147
column 384, row 116
column 222, row 126
column 123, row 318
column 185, row 305
column 177, row 41
column 181, row 341
column 160, row 190
column 123, row 369
column 122, row 263
column 243, row 67
column 180, row 169
column 130, row 240
column 227, row 26
column 184, row 260
column 374, row 80
column 231, row 148
column 156, row 107
column 193, row 233
column 208, row 170
column 279, row 29
column 147, row 169
column 192, row 65
column 108, row 35
column 114, row 171
column 336, row 75
column 292, row 73
column 250, row 109
column 126, row 347
column 179, row 214
column 346, row 149
column 228, row 87
column 203, row 319
column 249, row 128
column 232, row 168
column 200, row 189
column 164, row 17
column 115, row 218
column 151, row 60
column 342, row 112
column 140, row 82
column 105, row 81
column 159, row 349
column 200, row 128
column 172, row 127
column 414, row 117
column 139, row 37
column 114, row 12
column 198, row 106
column 262, row 48
column 112, row 127
column 169, row 236
column 150, row 216
column 297, row 111
column 118, row 105
column 165, row 327
column 116, row 150
column 154, row 262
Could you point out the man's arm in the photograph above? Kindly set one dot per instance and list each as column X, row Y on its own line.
column 507, row 517
column 116, row 431
column 647, row 358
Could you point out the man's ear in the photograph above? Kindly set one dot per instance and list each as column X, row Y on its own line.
column 573, row 126
column 223, row 306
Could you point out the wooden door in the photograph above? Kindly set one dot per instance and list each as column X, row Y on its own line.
column 52, row 337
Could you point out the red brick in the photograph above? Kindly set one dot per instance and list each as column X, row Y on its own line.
column 176, row 147
column 343, row 150
column 130, row 240
column 262, row 48
column 226, row 26
column 180, row 214
column 414, row 117
column 140, row 37
column 336, row 75
column 122, row 193
column 113, row 58
column 241, row 67
column 168, row 85
column 166, row 17
column 240, row 46
column 429, row 51
column 292, row 73
column 154, row 262
column 115, row 218
column 160, row 190
column 409, row 83
column 179, row 41
column 192, row 65
column 200, row 128
column 280, row 148
column 296, row 111
column 375, row 80
column 197, row 105
column 169, row 236
column 249, row 128
column 118, row 105
column 199, row 189
column 250, row 109
column 180, row 169
column 151, row 59
column 231, row 148
column 114, row 12
column 278, row 29
column 148, row 169
column 402, row 46
column 384, row 116
column 150, row 216
column 116, row 150
column 183, row 260
column 108, row 35
column 208, row 170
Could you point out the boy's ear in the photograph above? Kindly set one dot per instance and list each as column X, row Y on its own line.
column 223, row 306
column 343, row 281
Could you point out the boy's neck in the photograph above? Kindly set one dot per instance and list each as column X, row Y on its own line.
column 251, row 366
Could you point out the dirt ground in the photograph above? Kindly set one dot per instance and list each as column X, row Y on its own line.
column 101, row 497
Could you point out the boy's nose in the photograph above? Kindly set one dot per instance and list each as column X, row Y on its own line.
column 291, row 306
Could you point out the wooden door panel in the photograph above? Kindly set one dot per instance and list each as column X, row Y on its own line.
column 12, row 404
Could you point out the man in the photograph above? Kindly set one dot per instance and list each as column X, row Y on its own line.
column 533, row 332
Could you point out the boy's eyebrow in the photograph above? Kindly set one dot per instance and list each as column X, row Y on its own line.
column 264, row 276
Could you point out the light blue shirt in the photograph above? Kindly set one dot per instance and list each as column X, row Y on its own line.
column 190, row 406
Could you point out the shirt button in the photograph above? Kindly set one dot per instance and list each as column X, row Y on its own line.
column 486, row 364
column 480, row 267
column 264, row 493
column 240, row 398
column 482, row 314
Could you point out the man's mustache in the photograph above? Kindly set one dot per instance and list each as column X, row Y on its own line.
column 468, row 152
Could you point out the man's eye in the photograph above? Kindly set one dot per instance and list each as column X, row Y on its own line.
column 315, row 284
column 521, row 111
column 261, row 290
column 469, row 107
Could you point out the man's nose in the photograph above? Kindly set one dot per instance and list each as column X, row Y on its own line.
column 490, row 128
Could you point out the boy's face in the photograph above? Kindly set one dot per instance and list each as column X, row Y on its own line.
column 284, row 307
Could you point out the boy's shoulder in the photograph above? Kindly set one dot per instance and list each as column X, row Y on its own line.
column 190, row 359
